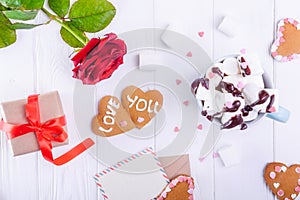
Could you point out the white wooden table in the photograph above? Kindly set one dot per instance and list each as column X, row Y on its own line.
column 39, row 62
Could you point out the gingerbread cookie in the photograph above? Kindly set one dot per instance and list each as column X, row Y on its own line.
column 180, row 188
column 282, row 180
column 112, row 118
column 142, row 106
column 286, row 46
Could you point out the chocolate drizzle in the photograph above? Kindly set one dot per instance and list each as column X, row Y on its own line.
column 229, row 87
column 235, row 106
column 195, row 86
column 262, row 98
column 272, row 99
column 233, row 122
column 245, row 70
column 218, row 71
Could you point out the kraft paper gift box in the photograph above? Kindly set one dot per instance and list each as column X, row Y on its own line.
column 13, row 112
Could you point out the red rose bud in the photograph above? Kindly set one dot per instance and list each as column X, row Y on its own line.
column 99, row 59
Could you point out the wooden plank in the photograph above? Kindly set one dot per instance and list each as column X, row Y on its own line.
column 287, row 135
column 255, row 144
column 190, row 19
column 17, row 80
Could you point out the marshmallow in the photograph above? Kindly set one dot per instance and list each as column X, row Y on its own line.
column 256, row 79
column 250, row 92
column 230, row 66
column 228, row 26
column 237, row 80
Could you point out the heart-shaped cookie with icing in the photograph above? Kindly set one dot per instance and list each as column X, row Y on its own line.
column 141, row 106
column 286, row 46
column 112, row 118
column 284, row 181
column 180, row 188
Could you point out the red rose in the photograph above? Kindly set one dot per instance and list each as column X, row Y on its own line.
column 99, row 59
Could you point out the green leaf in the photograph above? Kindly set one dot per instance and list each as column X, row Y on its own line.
column 91, row 15
column 60, row 7
column 7, row 35
column 2, row 8
column 23, row 4
column 21, row 15
column 24, row 26
column 69, row 38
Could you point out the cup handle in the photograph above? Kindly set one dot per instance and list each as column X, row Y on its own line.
column 282, row 115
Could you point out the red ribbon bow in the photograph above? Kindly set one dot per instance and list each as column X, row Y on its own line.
column 51, row 130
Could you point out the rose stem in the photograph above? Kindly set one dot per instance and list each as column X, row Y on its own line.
column 55, row 18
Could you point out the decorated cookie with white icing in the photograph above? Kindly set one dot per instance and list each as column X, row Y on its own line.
column 141, row 106
column 180, row 188
column 284, row 181
column 112, row 118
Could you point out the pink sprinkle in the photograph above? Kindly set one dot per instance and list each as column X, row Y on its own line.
column 272, row 175
column 277, row 43
column 160, row 198
column 297, row 170
column 274, row 54
column 164, row 194
column 298, row 181
column 199, row 127
column 280, row 34
column 295, row 23
column 240, row 85
column 171, row 185
column 178, row 82
column 277, row 168
column 286, row 198
column 140, row 119
column 286, row 20
column 211, row 75
column 280, row 193
column 243, row 51
column 202, row 159
column 291, row 20
column 281, row 40
column 176, row 129
column 228, row 104
column 181, row 179
column 297, row 189
column 190, row 191
column 191, row 197
column 216, row 155
column 189, row 54
column 281, row 29
column 284, row 59
column 186, row 103
column 244, row 65
column 201, row 33
column 123, row 123
column 272, row 109
column 174, row 182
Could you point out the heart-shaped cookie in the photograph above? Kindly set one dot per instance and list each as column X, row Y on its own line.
column 287, row 44
column 112, row 118
column 284, row 181
column 142, row 106
column 180, row 188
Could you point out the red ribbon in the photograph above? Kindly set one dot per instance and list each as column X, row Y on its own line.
column 51, row 130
